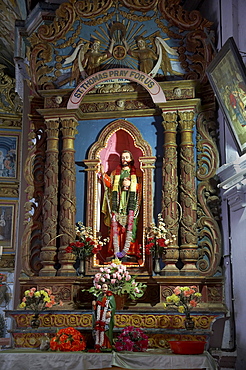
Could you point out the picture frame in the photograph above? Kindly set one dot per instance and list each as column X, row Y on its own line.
column 8, row 217
column 227, row 76
column 9, row 155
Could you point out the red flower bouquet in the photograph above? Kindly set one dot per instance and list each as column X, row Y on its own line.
column 158, row 238
column 132, row 339
column 85, row 244
column 68, row 339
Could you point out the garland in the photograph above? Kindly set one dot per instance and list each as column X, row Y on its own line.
column 117, row 252
column 101, row 323
column 130, row 205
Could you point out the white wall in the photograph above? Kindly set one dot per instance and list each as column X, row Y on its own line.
column 230, row 19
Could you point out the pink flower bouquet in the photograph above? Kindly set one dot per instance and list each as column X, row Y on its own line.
column 132, row 339
column 119, row 281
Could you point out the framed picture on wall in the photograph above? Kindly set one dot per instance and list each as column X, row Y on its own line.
column 8, row 214
column 9, row 155
column 227, row 76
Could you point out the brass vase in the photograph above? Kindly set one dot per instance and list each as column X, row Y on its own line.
column 189, row 322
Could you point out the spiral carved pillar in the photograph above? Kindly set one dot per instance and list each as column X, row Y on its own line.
column 188, row 249
column 48, row 250
column 170, row 190
column 67, row 197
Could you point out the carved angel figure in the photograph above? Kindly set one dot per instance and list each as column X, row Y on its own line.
column 87, row 60
column 147, row 57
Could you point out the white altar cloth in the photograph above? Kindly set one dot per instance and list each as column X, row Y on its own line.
column 38, row 360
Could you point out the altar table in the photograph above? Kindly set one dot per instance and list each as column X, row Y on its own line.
column 155, row 360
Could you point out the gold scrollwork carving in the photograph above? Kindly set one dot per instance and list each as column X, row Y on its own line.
column 164, row 321
column 9, row 191
column 85, row 320
column 7, row 92
column 177, row 322
column 65, row 16
column 144, row 5
column 87, row 8
column 209, row 235
column 122, row 320
column 151, row 321
column 203, row 322
column 134, row 17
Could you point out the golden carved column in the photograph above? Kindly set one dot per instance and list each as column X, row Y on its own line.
column 48, row 250
column 67, row 196
column 170, row 190
column 188, row 249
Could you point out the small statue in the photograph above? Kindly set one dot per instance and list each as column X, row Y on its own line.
column 103, row 319
column 145, row 55
column 149, row 61
column 87, row 61
column 45, row 343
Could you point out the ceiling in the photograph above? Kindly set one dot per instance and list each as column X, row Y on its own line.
column 11, row 10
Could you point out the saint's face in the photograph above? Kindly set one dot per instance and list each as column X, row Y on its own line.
column 104, row 288
column 125, row 159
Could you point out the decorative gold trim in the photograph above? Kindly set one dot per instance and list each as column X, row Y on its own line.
column 9, row 190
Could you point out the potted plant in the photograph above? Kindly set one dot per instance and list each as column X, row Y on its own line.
column 184, row 299
column 119, row 281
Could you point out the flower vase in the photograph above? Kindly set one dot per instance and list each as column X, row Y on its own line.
column 35, row 321
column 120, row 301
column 157, row 268
column 81, row 268
column 189, row 323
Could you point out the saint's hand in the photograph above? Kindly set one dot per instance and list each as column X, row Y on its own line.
column 108, row 315
column 126, row 183
column 101, row 169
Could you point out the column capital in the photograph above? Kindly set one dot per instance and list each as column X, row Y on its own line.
column 170, row 120
column 186, row 119
column 52, row 123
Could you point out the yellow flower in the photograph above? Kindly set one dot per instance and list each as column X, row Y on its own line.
column 197, row 294
column 169, row 299
column 116, row 261
column 37, row 294
column 181, row 309
column 44, row 293
column 27, row 292
column 175, row 298
column 46, row 299
column 22, row 305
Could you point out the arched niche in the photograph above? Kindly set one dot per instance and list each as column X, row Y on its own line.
column 117, row 136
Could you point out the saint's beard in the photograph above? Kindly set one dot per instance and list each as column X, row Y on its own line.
column 126, row 164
